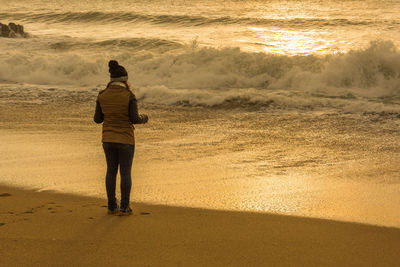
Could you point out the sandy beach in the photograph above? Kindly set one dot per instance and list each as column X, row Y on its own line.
column 307, row 164
column 53, row 152
column 48, row 229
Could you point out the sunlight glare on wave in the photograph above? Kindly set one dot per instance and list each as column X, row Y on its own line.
column 291, row 42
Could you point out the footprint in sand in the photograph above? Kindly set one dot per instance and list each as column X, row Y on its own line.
column 5, row 195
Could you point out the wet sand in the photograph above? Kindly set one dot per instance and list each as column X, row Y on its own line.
column 48, row 229
column 311, row 164
column 48, row 146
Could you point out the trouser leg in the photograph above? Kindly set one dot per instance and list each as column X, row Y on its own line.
column 112, row 158
column 126, row 153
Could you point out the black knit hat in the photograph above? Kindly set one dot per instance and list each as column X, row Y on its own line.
column 117, row 72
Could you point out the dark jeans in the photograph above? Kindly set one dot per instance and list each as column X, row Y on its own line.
column 118, row 155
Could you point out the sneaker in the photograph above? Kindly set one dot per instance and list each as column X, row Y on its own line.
column 113, row 211
column 125, row 211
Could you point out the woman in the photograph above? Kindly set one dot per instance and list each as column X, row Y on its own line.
column 116, row 108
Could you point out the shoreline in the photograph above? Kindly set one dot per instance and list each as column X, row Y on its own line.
column 275, row 165
column 54, row 229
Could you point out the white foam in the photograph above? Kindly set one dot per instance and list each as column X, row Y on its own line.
column 209, row 76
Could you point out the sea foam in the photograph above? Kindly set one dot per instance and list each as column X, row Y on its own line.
column 210, row 76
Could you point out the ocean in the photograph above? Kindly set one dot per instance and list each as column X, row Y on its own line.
column 289, row 107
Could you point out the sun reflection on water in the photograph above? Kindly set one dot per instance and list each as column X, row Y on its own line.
column 291, row 42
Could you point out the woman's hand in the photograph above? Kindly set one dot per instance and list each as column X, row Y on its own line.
column 145, row 118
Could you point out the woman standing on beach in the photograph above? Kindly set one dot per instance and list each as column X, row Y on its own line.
column 116, row 108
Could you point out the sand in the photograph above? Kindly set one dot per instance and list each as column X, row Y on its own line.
column 49, row 229
column 309, row 164
column 46, row 147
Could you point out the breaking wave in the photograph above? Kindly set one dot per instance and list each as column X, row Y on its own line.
column 209, row 76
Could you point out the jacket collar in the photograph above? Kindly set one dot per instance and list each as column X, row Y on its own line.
column 117, row 84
